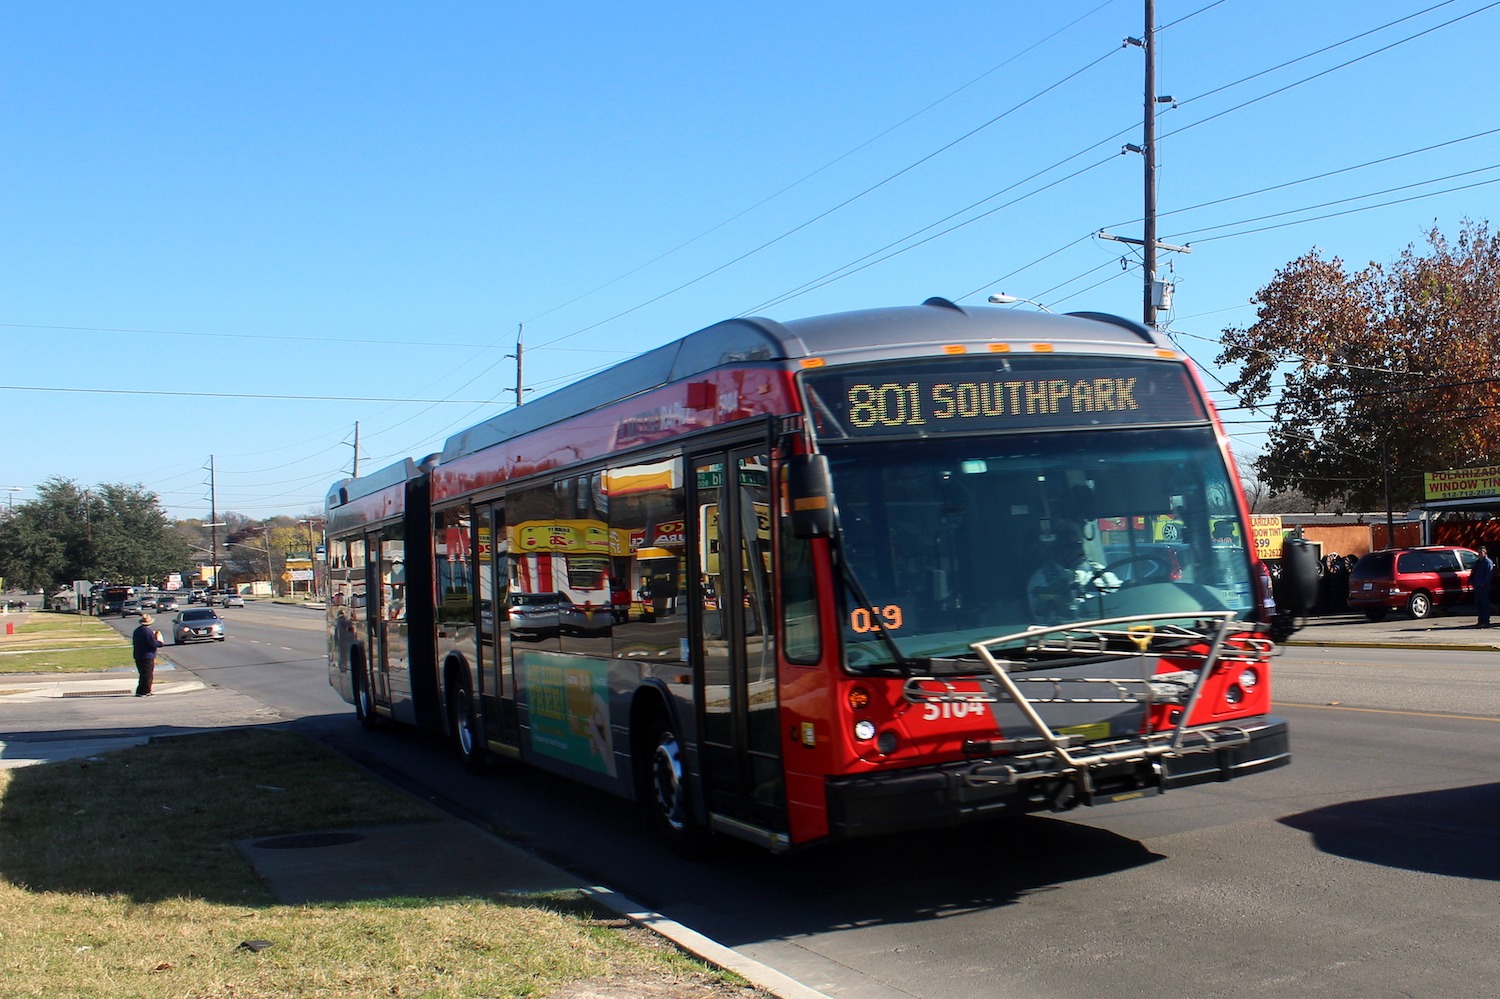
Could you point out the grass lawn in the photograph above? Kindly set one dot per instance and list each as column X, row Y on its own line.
column 45, row 642
column 119, row 878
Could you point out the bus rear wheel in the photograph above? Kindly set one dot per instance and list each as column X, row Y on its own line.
column 665, row 791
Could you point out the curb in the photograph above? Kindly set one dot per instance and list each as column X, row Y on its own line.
column 1334, row 643
column 760, row 975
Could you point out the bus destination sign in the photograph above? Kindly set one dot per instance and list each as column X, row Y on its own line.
column 932, row 397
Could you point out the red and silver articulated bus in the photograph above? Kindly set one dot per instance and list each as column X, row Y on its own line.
column 834, row 577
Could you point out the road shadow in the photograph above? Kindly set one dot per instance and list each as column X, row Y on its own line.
column 1451, row 832
column 896, row 879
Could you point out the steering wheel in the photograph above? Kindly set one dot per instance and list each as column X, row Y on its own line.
column 1102, row 571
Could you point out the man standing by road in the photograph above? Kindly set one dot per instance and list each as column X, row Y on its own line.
column 1481, row 575
column 144, row 642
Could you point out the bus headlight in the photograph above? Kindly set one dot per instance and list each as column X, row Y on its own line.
column 1234, row 694
column 1249, row 678
column 864, row 730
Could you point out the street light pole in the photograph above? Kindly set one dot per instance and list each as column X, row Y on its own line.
column 1001, row 298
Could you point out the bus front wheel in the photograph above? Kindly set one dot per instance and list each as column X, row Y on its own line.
column 464, row 723
column 364, row 699
column 665, row 791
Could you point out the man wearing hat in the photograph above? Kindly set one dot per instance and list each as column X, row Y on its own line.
column 145, row 640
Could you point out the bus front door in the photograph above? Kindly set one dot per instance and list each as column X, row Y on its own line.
column 734, row 634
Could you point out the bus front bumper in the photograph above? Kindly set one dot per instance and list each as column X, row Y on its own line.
column 958, row 793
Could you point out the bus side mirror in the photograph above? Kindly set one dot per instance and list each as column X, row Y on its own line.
column 808, row 497
column 1299, row 564
column 1299, row 592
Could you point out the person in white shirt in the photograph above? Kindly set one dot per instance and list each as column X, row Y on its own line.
column 1068, row 580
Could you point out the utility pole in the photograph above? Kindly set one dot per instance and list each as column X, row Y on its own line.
column 520, row 328
column 213, row 522
column 1148, row 138
column 354, row 469
column 1155, row 294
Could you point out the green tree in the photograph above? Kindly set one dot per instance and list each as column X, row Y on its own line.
column 112, row 531
column 1387, row 368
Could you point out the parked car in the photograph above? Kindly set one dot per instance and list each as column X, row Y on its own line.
column 233, row 600
column 535, row 615
column 1416, row 580
column 165, row 603
column 130, row 607
column 197, row 624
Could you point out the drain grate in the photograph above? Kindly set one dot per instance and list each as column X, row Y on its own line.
column 96, row 693
column 304, row 841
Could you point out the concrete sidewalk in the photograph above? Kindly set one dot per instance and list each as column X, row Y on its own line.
column 1452, row 630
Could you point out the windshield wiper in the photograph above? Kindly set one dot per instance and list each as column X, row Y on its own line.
column 851, row 579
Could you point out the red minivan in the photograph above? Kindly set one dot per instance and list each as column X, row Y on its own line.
column 1416, row 580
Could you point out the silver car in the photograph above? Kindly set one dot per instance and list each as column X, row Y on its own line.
column 197, row 624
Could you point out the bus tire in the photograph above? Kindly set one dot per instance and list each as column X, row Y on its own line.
column 463, row 722
column 364, row 699
column 665, row 796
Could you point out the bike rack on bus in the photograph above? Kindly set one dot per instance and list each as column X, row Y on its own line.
column 1140, row 636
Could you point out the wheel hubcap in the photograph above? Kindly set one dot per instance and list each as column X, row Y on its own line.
column 666, row 780
column 465, row 731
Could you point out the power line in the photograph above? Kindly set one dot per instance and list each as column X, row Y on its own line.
column 160, row 393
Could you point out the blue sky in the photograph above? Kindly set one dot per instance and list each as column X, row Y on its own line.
column 232, row 232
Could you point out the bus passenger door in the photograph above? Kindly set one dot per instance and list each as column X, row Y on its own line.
column 389, row 669
column 734, row 637
column 499, row 694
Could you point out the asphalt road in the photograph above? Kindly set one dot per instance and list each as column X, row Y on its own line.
column 1368, row 868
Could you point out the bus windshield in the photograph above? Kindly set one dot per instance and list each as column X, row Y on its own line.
column 956, row 539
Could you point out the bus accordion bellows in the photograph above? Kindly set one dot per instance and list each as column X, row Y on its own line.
column 840, row 576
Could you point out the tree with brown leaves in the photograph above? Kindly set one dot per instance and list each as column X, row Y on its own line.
column 1390, row 368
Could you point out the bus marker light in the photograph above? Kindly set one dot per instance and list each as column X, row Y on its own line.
column 859, row 698
column 864, row 730
column 809, row 734
column 955, row 348
column 813, row 362
column 999, row 348
column 1042, row 348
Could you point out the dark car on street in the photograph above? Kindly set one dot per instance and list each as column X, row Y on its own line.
column 197, row 624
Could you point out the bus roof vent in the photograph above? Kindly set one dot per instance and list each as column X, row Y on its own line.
column 942, row 303
column 1144, row 332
